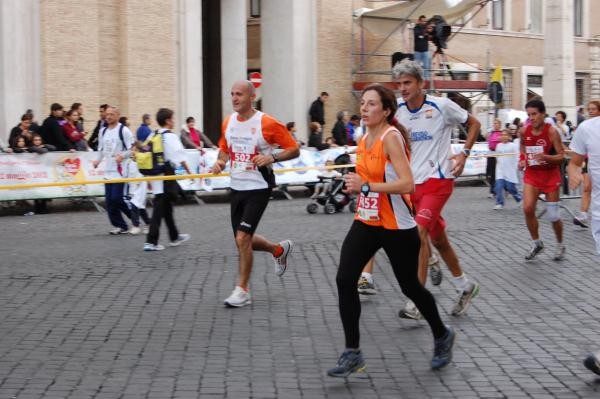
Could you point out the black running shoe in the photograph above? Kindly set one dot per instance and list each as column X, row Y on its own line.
column 442, row 350
column 350, row 362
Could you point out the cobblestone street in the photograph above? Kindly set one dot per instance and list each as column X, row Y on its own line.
column 88, row 315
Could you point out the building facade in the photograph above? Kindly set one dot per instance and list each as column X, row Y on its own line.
column 143, row 54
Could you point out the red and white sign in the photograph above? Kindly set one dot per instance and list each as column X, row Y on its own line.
column 256, row 79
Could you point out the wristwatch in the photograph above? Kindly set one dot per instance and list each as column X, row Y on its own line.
column 466, row 151
column 365, row 189
column 275, row 157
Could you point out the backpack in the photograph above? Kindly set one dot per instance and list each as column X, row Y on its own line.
column 150, row 155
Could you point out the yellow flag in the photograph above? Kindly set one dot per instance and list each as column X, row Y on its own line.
column 497, row 75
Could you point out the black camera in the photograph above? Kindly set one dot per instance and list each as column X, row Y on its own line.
column 440, row 33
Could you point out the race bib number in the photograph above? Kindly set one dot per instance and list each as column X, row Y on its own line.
column 531, row 151
column 368, row 207
column 241, row 157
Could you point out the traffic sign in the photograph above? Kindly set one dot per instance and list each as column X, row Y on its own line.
column 256, row 79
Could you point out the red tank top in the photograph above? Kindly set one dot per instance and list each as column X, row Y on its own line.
column 536, row 145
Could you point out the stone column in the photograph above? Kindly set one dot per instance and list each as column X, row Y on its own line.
column 233, row 48
column 189, row 82
column 559, row 58
column 288, row 60
column 20, row 62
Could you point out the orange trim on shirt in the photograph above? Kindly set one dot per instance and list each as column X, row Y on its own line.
column 275, row 132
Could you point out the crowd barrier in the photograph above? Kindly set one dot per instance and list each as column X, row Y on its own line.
column 73, row 174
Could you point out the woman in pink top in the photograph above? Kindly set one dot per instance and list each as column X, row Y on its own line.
column 493, row 139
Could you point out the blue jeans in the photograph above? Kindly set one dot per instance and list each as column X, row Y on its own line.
column 115, row 204
column 424, row 58
column 502, row 185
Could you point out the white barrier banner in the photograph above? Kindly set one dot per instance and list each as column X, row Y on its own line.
column 77, row 166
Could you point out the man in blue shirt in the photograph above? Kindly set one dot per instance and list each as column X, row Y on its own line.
column 144, row 130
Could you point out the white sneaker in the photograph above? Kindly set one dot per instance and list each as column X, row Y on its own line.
column 560, row 253
column 410, row 311
column 117, row 231
column 498, row 207
column 281, row 260
column 180, row 240
column 135, row 231
column 238, row 298
column 151, row 247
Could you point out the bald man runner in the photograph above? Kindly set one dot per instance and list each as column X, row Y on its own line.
column 247, row 140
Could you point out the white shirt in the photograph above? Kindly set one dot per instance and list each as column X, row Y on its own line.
column 430, row 128
column 173, row 152
column 586, row 141
column 506, row 165
column 109, row 145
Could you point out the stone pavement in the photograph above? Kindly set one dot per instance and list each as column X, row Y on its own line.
column 87, row 315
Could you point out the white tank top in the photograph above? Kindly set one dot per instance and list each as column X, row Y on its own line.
column 245, row 140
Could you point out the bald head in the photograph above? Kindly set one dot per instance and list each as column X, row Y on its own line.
column 242, row 95
column 112, row 116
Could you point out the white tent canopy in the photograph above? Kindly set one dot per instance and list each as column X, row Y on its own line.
column 385, row 20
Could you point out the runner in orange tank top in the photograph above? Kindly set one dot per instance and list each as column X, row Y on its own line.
column 383, row 220
column 542, row 153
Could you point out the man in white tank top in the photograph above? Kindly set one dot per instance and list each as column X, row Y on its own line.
column 247, row 141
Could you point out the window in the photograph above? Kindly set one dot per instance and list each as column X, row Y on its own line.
column 255, row 8
column 535, row 81
column 535, row 16
column 498, row 14
column 582, row 88
column 578, row 18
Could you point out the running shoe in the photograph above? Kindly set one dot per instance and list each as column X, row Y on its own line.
column 238, row 298
column 560, row 253
column 135, row 231
column 281, row 260
column 498, row 207
column 592, row 363
column 181, row 238
column 153, row 247
column 464, row 300
column 366, row 288
column 442, row 349
column 350, row 362
column 536, row 248
column 410, row 311
column 117, row 231
column 581, row 222
column 435, row 271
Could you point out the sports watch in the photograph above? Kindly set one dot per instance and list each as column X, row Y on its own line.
column 365, row 189
column 466, row 151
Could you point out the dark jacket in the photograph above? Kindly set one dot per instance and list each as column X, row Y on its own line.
column 316, row 140
column 52, row 133
column 187, row 142
column 93, row 141
column 14, row 133
column 317, row 111
column 421, row 38
column 339, row 133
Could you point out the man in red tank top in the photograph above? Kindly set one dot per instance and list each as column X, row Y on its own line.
column 542, row 153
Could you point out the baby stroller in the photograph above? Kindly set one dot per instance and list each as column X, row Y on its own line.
column 332, row 198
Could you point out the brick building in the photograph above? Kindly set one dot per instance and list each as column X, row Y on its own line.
column 184, row 54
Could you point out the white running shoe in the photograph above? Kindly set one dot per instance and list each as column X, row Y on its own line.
column 180, row 240
column 238, row 298
column 498, row 207
column 281, row 260
column 560, row 253
column 153, row 247
column 117, row 231
column 134, row 231
column 410, row 311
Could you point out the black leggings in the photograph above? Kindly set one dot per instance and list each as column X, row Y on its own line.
column 402, row 248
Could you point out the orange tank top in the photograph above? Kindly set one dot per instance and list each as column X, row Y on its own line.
column 390, row 211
